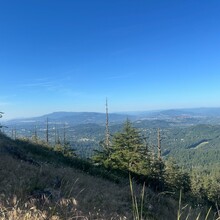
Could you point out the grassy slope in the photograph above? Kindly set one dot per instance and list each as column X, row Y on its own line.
column 36, row 183
column 30, row 177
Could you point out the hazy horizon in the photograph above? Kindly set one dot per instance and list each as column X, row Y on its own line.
column 104, row 112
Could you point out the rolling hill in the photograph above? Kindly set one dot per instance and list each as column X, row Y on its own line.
column 38, row 183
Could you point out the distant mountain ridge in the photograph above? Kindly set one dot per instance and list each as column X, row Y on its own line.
column 74, row 118
column 99, row 118
column 187, row 112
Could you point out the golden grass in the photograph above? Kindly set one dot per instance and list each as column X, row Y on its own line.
column 53, row 192
column 30, row 192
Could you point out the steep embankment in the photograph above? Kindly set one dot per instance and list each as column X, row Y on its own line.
column 38, row 183
column 53, row 188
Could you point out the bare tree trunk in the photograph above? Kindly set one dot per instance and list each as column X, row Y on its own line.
column 47, row 132
column 64, row 135
column 15, row 133
column 159, row 144
column 35, row 133
column 107, row 134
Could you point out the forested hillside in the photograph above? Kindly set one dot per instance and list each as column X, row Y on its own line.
column 56, row 176
column 183, row 137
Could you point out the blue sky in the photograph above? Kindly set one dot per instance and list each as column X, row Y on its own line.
column 70, row 55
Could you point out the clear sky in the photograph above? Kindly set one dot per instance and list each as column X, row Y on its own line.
column 69, row 55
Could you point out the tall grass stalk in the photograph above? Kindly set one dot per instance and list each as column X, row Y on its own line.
column 179, row 213
column 136, row 209
column 207, row 215
column 218, row 211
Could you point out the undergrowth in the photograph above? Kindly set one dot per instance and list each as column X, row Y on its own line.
column 38, row 183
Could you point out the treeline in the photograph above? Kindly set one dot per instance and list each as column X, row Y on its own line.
column 128, row 151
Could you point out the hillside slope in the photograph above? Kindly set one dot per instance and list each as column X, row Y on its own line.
column 49, row 183
column 38, row 183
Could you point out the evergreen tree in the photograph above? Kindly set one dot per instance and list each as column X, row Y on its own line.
column 100, row 156
column 175, row 179
column 127, row 151
column 125, row 146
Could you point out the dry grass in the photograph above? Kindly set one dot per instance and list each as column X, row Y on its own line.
column 56, row 192
column 48, row 191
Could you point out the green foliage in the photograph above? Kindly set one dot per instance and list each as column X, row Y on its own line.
column 206, row 187
column 101, row 156
column 175, row 178
column 65, row 149
column 154, row 172
column 129, row 152
column 126, row 152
